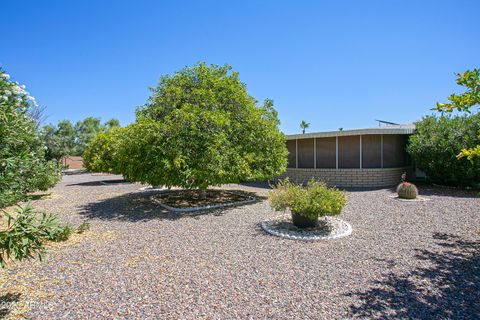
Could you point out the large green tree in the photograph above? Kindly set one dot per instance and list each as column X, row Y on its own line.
column 23, row 167
column 200, row 127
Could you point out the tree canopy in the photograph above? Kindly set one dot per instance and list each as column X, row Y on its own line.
column 200, row 127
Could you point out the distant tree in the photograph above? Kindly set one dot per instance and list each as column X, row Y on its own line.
column 86, row 130
column 59, row 140
column 65, row 139
column 111, row 124
column 200, row 128
column 464, row 102
column 304, row 125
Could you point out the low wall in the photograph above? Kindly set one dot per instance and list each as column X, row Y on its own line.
column 349, row 178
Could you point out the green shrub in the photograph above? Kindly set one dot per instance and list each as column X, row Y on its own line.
column 60, row 233
column 437, row 142
column 99, row 156
column 84, row 226
column 23, row 167
column 313, row 201
column 25, row 233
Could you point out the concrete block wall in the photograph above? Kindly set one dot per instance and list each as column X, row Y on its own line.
column 349, row 178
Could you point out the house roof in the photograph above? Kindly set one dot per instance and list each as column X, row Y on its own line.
column 397, row 129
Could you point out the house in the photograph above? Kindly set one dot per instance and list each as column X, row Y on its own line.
column 373, row 157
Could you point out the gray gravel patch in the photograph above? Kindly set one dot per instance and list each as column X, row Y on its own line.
column 140, row 261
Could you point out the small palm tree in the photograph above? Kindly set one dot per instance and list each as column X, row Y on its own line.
column 304, row 125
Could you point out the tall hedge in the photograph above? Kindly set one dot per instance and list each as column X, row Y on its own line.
column 23, row 167
column 438, row 141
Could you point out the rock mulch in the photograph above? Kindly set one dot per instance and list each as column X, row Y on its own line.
column 329, row 228
column 139, row 261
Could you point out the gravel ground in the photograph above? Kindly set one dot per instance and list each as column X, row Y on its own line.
column 403, row 260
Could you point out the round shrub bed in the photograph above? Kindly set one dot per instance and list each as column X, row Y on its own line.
column 328, row 228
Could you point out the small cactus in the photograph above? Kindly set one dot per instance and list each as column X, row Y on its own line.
column 407, row 190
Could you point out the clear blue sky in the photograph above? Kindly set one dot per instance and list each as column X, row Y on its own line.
column 332, row 63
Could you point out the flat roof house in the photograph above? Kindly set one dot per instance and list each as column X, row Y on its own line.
column 374, row 157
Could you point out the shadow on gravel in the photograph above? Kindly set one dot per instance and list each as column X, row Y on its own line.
column 139, row 206
column 7, row 303
column 448, row 289
column 99, row 183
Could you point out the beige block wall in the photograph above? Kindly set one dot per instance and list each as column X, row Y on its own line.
column 349, row 178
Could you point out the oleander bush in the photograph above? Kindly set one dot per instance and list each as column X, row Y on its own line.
column 25, row 233
column 23, row 167
column 438, row 141
column 313, row 201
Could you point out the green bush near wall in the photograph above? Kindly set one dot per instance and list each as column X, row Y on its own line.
column 437, row 142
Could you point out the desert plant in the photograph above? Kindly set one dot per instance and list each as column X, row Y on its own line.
column 84, row 226
column 407, row 190
column 313, row 201
column 26, row 231
column 60, row 233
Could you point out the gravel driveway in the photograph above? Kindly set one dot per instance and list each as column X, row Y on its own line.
column 404, row 260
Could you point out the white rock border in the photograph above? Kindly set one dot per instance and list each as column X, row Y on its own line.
column 274, row 232
column 418, row 199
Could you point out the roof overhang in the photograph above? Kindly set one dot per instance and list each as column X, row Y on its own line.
column 403, row 129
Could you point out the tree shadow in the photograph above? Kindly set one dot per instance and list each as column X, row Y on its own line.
column 140, row 206
column 448, row 287
column 99, row 183
column 7, row 303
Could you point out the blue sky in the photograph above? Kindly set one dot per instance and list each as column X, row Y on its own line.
column 332, row 63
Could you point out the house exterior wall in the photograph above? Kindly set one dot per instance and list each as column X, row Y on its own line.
column 364, row 160
column 349, row 178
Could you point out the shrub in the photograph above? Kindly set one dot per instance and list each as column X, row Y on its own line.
column 23, row 167
column 313, row 201
column 99, row 156
column 84, row 226
column 437, row 142
column 25, row 233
